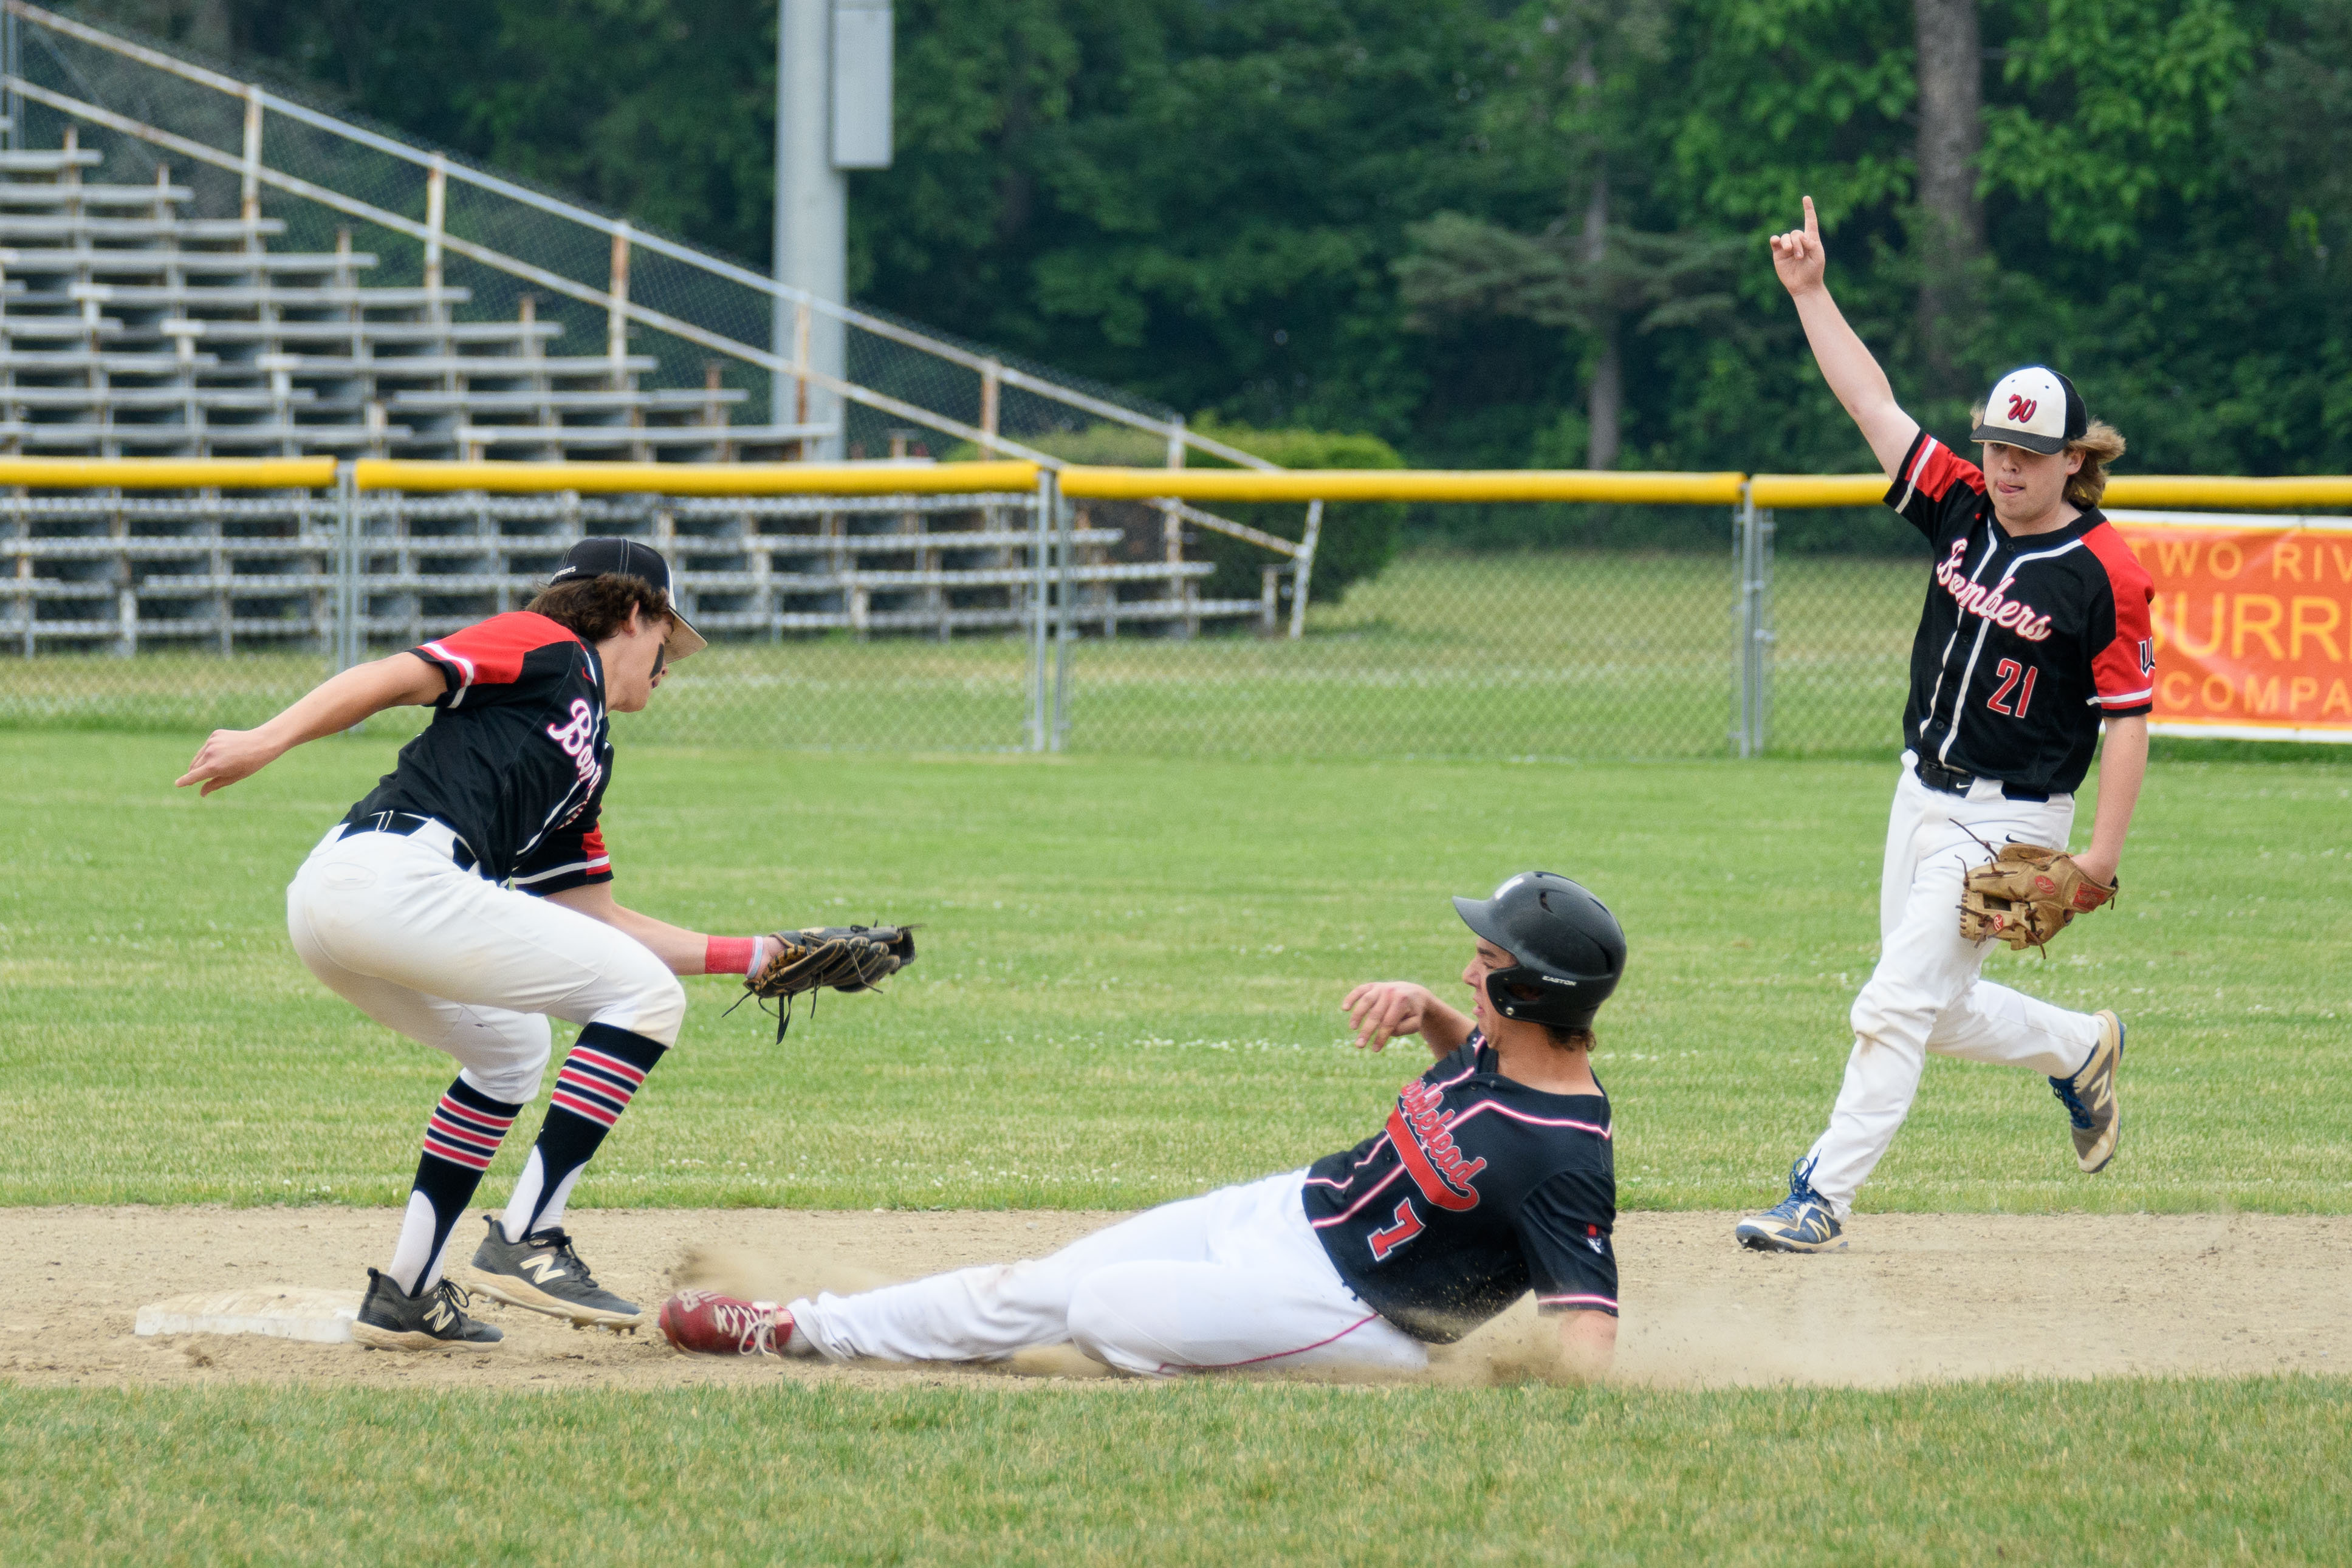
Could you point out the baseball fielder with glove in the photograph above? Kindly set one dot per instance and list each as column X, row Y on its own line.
column 2035, row 631
column 468, row 899
column 1491, row 1177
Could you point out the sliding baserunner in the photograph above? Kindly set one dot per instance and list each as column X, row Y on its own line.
column 2035, row 633
column 1492, row 1177
column 468, row 898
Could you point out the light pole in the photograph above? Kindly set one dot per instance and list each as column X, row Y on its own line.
column 833, row 114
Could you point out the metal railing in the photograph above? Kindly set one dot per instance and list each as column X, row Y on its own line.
column 244, row 120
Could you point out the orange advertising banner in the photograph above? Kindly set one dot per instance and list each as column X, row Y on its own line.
column 2254, row 623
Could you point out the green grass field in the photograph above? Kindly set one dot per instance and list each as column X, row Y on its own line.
column 1557, row 654
column 2113, row 1472
column 1136, row 964
column 1128, row 992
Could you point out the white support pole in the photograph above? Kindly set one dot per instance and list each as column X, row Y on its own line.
column 1064, row 630
column 1171, row 519
column 1171, row 533
column 1767, row 633
column 249, row 190
column 349, row 644
column 616, row 313
column 437, row 217
column 992, row 390
column 1752, row 668
column 1048, row 500
column 1302, row 577
column 1743, row 619
column 800, row 358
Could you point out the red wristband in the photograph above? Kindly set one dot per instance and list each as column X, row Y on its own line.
column 728, row 954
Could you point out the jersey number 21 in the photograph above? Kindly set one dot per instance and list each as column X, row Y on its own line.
column 2009, row 671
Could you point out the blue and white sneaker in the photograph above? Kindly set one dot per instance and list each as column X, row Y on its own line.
column 2090, row 1098
column 1800, row 1222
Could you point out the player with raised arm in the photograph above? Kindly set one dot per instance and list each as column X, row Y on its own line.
column 1492, row 1175
column 468, row 898
column 2035, row 633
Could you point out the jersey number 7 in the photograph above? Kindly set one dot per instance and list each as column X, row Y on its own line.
column 2009, row 670
column 1389, row 1237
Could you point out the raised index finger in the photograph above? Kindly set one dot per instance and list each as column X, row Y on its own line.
column 1812, row 223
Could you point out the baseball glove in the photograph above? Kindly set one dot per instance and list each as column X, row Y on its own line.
column 2025, row 896
column 842, row 957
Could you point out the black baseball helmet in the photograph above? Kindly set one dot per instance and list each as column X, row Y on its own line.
column 631, row 558
column 1571, row 949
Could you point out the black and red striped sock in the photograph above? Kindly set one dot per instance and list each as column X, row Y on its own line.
column 461, row 1138
column 599, row 1079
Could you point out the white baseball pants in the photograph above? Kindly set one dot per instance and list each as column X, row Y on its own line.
column 1924, row 994
column 465, row 966
column 1235, row 1278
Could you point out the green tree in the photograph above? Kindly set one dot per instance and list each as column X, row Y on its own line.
column 1575, row 79
column 1207, row 203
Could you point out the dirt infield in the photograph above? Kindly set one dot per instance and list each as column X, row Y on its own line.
column 1916, row 1297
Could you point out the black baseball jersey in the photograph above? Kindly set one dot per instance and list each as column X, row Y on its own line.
column 516, row 757
column 2025, row 644
column 1478, row 1189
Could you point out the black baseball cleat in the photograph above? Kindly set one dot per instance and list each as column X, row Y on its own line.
column 391, row 1319
column 543, row 1273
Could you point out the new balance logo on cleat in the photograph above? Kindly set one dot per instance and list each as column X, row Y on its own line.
column 544, row 1273
column 544, row 1269
column 1800, row 1222
column 391, row 1319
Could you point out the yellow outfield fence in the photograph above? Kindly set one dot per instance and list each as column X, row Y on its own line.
column 168, row 473
column 1303, row 485
column 696, row 478
column 1078, row 481
column 960, row 605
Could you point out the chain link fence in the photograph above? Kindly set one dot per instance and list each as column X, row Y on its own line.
column 956, row 622
column 1555, row 648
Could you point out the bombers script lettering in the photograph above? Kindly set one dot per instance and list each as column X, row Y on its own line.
column 1417, row 1127
column 1991, row 604
column 578, row 740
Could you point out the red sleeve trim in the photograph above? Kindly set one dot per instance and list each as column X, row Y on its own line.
column 1931, row 469
column 592, row 848
column 2124, row 671
column 491, row 652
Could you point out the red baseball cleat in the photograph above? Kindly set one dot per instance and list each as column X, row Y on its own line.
column 704, row 1322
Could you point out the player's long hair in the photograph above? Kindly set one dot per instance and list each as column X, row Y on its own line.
column 594, row 608
column 1575, row 1038
column 2100, row 444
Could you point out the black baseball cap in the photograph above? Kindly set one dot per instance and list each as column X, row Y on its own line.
column 627, row 558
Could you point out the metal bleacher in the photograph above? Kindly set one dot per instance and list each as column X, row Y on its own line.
column 128, row 328
column 138, row 319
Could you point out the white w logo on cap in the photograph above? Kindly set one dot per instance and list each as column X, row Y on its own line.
column 2033, row 408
